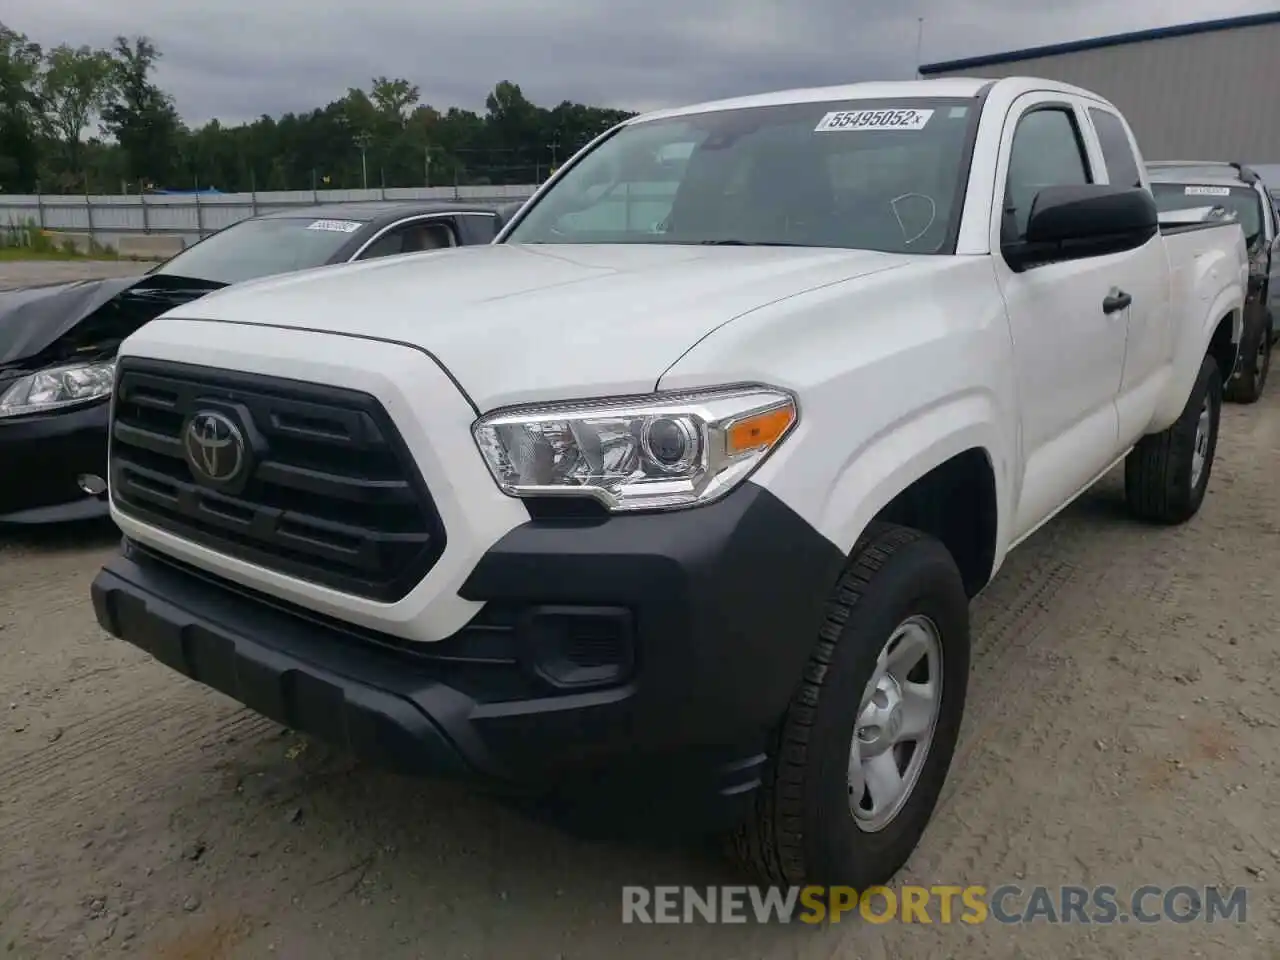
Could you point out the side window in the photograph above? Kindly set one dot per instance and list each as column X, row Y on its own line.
column 429, row 235
column 389, row 243
column 482, row 228
column 1047, row 152
column 412, row 237
column 1122, row 167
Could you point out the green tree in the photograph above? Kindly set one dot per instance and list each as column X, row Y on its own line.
column 385, row 130
column 75, row 86
column 394, row 98
column 19, row 111
column 140, row 115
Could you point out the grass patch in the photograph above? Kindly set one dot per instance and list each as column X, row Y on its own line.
column 18, row 254
column 26, row 241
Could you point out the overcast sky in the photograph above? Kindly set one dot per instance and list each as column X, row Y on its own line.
column 238, row 59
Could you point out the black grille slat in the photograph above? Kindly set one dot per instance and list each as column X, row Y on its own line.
column 308, row 423
column 148, row 439
column 334, row 495
column 336, row 485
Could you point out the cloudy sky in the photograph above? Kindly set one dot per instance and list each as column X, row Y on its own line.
column 238, row 59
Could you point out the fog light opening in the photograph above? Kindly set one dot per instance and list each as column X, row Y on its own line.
column 92, row 484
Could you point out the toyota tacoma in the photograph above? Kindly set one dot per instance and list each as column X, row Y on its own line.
column 681, row 488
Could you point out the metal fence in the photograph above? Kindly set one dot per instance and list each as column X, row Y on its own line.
column 107, row 218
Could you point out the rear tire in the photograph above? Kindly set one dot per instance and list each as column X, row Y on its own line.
column 1167, row 473
column 1255, row 364
column 817, row 818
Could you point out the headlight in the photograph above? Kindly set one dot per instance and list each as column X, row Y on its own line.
column 58, row 387
column 668, row 451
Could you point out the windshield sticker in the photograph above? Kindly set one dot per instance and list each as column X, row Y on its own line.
column 335, row 226
column 1208, row 191
column 890, row 119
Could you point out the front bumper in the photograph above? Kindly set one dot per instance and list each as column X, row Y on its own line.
column 42, row 457
column 657, row 649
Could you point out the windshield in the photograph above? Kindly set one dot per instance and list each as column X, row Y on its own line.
column 1240, row 201
column 875, row 175
column 259, row 248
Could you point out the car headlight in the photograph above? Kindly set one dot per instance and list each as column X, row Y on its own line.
column 663, row 452
column 58, row 387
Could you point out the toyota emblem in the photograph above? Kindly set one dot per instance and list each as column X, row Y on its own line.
column 215, row 448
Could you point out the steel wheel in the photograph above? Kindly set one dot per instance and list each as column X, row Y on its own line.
column 1200, row 448
column 896, row 721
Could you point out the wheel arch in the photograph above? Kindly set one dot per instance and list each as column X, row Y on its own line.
column 1225, row 343
column 1221, row 337
column 955, row 503
column 945, row 473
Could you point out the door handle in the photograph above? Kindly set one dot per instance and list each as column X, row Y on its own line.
column 1116, row 300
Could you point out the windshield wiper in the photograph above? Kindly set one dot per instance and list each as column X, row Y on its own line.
column 749, row 243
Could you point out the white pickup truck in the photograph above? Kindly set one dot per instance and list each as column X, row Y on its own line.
column 678, row 493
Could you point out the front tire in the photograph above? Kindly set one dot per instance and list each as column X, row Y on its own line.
column 1255, row 364
column 1167, row 473
column 864, row 749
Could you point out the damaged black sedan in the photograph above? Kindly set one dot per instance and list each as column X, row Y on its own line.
column 58, row 342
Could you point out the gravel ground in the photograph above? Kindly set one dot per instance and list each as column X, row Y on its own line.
column 1122, row 730
column 22, row 273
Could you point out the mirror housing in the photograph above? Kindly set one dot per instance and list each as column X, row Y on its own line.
column 1086, row 220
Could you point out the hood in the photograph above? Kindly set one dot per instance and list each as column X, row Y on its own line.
column 514, row 323
column 55, row 322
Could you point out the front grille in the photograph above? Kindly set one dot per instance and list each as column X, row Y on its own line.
column 330, row 492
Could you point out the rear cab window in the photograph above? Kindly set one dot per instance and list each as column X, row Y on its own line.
column 1117, row 150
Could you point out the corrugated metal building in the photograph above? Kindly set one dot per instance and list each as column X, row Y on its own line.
column 1199, row 91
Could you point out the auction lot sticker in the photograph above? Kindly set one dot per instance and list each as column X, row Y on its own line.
column 336, row 226
column 1208, row 191
column 901, row 118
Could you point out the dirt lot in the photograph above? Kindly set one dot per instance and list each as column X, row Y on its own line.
column 1122, row 730
column 14, row 274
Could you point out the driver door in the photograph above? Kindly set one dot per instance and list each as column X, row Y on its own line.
column 1068, row 352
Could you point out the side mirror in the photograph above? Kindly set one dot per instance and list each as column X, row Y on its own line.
column 1088, row 220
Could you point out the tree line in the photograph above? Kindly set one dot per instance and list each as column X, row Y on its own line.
column 87, row 120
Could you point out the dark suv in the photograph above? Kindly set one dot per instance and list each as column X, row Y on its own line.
column 1232, row 189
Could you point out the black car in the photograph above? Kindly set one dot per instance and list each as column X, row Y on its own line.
column 58, row 342
column 1235, row 190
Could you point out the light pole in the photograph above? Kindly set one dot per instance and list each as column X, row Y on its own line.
column 362, row 141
